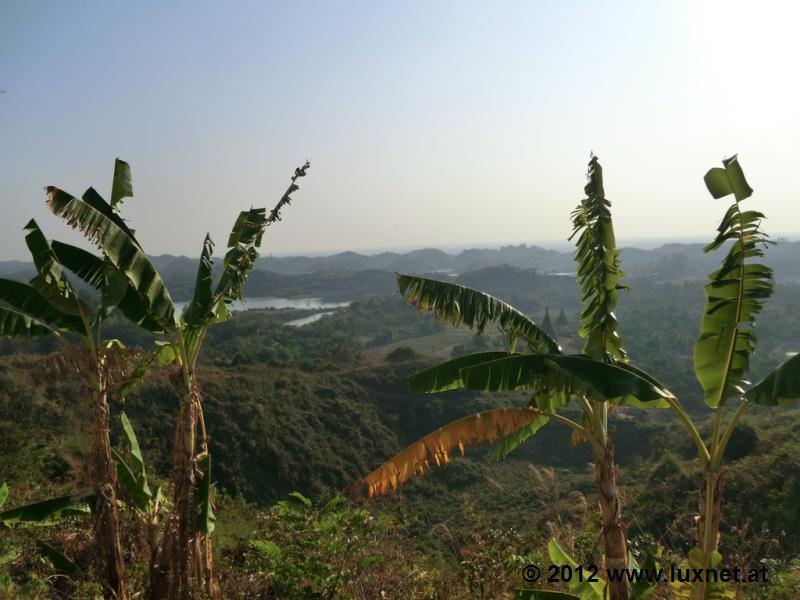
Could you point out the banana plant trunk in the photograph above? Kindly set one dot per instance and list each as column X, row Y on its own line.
column 711, row 491
column 616, row 551
column 103, row 474
column 184, row 568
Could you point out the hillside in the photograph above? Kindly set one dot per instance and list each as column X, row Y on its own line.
column 310, row 409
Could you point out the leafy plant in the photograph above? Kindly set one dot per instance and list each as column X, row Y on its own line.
column 184, row 563
column 49, row 305
column 735, row 295
column 149, row 505
column 182, row 558
column 597, row 379
column 308, row 550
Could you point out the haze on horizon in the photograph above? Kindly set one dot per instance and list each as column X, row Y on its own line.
column 427, row 124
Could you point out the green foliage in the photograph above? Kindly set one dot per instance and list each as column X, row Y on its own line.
column 204, row 497
column 96, row 220
column 599, row 271
column 735, row 293
column 714, row 590
column 122, row 186
column 46, row 512
column 307, row 550
column 134, row 479
column 197, row 311
column 61, row 562
column 585, row 590
column 28, row 312
column 566, row 376
column 458, row 304
column 448, row 375
column 781, row 387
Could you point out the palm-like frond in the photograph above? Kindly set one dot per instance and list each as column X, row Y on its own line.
column 461, row 305
column 25, row 301
column 198, row 310
column 437, row 447
column 116, row 290
column 50, row 280
column 47, row 512
column 119, row 246
column 14, row 323
column 599, row 269
column 96, row 201
column 735, row 293
column 87, row 266
column 122, row 186
column 243, row 244
column 504, row 446
column 567, row 375
column 781, row 387
column 447, row 375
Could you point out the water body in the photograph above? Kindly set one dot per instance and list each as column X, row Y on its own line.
column 309, row 319
column 274, row 302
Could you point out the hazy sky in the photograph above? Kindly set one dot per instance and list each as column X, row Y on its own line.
column 426, row 123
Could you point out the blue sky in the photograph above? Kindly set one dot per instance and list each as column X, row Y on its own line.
column 426, row 123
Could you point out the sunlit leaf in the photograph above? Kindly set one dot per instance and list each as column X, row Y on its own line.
column 735, row 295
column 728, row 180
column 508, row 444
column 437, row 447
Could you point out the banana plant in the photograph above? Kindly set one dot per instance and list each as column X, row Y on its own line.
column 50, row 305
column 183, row 567
column 596, row 379
column 735, row 295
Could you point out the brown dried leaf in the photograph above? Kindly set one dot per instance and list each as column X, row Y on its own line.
column 436, row 448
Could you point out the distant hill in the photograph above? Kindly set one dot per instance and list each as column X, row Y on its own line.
column 670, row 261
column 351, row 275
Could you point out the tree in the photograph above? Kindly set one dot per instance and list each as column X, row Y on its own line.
column 49, row 305
column 595, row 379
column 183, row 568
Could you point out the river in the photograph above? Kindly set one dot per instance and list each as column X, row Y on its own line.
column 274, row 302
